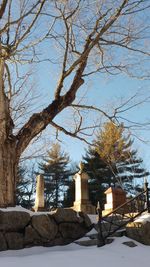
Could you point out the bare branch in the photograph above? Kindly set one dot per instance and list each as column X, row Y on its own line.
column 3, row 7
column 60, row 128
column 139, row 103
column 8, row 24
column 19, row 40
column 92, row 108
column 107, row 42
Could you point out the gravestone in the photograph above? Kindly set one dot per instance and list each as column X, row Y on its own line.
column 82, row 202
column 115, row 196
column 39, row 199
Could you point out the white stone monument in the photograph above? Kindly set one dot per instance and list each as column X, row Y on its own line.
column 82, row 202
column 39, row 199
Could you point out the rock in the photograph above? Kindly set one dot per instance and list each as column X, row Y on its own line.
column 13, row 220
column 14, row 240
column 3, row 244
column 56, row 242
column 31, row 236
column 139, row 231
column 86, row 220
column 72, row 230
column 45, row 226
column 109, row 240
column 65, row 215
column 87, row 243
column 130, row 244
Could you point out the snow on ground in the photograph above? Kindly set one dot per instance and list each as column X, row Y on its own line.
column 19, row 208
column 112, row 255
column 143, row 218
column 92, row 217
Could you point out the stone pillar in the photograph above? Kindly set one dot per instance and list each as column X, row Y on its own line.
column 82, row 202
column 114, row 198
column 39, row 199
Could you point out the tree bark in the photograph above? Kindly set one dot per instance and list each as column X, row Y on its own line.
column 8, row 171
column 8, row 162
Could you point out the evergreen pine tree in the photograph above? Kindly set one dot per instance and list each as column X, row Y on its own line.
column 115, row 148
column 24, row 189
column 112, row 160
column 56, row 174
column 69, row 196
column 99, row 174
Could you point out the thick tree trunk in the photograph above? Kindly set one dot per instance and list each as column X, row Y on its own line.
column 8, row 162
column 8, row 171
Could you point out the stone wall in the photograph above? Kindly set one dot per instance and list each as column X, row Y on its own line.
column 139, row 231
column 18, row 229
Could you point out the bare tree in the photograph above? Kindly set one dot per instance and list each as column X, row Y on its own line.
column 88, row 38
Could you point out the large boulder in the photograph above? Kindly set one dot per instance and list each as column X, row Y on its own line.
column 14, row 240
column 72, row 231
column 13, row 220
column 3, row 244
column 139, row 231
column 31, row 237
column 86, row 220
column 65, row 215
column 45, row 226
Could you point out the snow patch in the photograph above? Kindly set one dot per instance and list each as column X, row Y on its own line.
column 113, row 255
column 19, row 208
column 143, row 218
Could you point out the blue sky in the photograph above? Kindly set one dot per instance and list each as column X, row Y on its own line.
column 103, row 91
column 110, row 93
